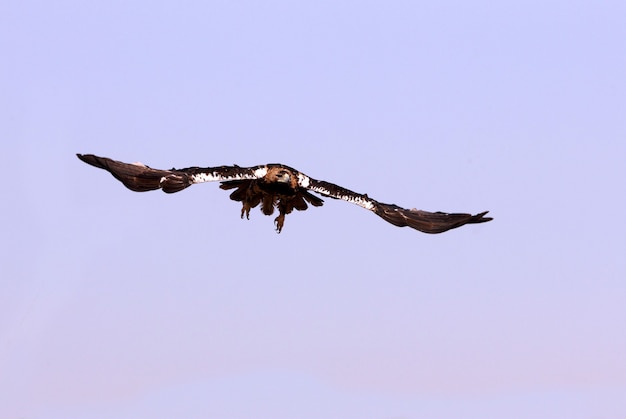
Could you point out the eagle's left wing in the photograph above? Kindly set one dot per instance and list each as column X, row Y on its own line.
column 141, row 178
column 424, row 221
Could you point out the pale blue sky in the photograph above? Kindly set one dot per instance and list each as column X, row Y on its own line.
column 119, row 304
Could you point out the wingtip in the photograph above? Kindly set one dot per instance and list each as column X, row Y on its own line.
column 87, row 158
column 93, row 160
column 82, row 157
column 480, row 217
column 425, row 221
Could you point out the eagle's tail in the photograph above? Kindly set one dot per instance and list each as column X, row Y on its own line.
column 427, row 222
column 138, row 177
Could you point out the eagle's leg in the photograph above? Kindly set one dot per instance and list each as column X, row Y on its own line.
column 279, row 222
column 284, row 206
column 245, row 210
column 251, row 200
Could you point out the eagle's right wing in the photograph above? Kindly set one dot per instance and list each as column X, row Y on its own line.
column 141, row 178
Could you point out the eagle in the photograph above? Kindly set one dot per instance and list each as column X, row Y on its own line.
column 275, row 187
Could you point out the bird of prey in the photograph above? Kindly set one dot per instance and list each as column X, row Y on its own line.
column 275, row 186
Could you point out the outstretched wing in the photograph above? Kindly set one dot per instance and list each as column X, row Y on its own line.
column 141, row 178
column 424, row 221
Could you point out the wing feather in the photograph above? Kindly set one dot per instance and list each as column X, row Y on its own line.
column 424, row 221
column 141, row 178
column 427, row 222
column 337, row 192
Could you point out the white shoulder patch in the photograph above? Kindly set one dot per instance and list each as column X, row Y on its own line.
column 260, row 172
column 303, row 180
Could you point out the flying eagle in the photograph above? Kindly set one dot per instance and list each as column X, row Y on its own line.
column 275, row 186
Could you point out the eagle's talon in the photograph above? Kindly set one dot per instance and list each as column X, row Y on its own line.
column 245, row 211
column 279, row 222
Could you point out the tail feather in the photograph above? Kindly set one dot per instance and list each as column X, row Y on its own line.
column 312, row 199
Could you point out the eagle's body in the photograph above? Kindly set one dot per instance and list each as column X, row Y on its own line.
column 275, row 186
column 277, row 189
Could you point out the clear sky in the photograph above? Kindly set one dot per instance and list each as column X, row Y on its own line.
column 120, row 304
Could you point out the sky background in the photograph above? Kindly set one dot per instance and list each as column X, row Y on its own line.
column 126, row 305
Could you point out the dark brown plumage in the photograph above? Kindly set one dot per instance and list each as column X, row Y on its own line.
column 275, row 186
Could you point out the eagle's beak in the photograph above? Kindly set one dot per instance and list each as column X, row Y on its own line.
column 283, row 177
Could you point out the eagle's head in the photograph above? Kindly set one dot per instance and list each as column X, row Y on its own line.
column 283, row 176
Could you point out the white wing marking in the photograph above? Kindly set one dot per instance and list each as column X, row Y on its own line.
column 217, row 177
column 368, row 204
column 260, row 172
column 303, row 180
